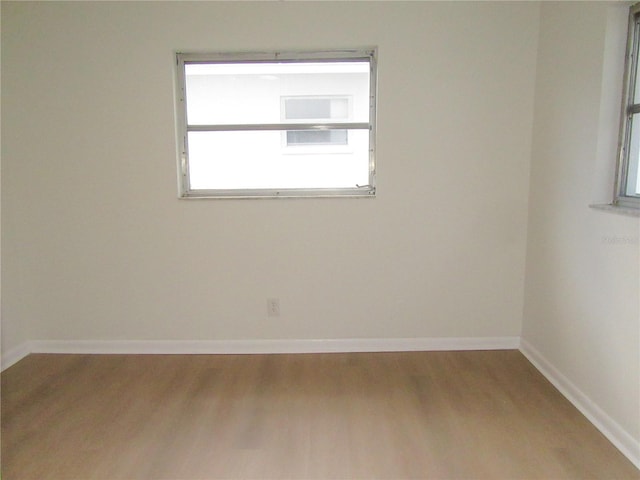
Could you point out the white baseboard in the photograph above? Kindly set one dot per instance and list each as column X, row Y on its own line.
column 272, row 346
column 258, row 346
column 617, row 435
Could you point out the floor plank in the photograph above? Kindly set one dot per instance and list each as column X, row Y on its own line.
column 440, row 415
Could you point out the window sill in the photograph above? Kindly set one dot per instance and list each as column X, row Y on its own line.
column 366, row 191
column 617, row 209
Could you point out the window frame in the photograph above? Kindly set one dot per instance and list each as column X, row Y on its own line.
column 183, row 128
column 628, row 110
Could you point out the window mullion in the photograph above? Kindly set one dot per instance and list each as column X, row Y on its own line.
column 280, row 126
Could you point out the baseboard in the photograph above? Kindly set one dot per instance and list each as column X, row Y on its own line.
column 258, row 346
column 14, row 355
column 617, row 435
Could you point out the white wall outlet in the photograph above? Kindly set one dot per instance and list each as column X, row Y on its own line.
column 273, row 307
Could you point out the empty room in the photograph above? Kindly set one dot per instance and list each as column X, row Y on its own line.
column 320, row 240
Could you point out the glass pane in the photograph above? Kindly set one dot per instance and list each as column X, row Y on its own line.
column 316, row 108
column 632, row 187
column 262, row 159
column 304, row 108
column 253, row 93
column 317, row 137
column 634, row 74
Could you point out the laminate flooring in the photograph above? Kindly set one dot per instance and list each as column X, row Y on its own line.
column 436, row 415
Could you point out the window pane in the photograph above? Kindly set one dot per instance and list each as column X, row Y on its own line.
column 304, row 108
column 316, row 108
column 262, row 160
column 632, row 187
column 250, row 93
column 634, row 73
column 317, row 137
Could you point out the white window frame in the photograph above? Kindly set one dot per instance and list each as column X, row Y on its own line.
column 629, row 111
column 185, row 190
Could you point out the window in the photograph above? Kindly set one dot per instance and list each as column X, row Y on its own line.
column 276, row 124
column 627, row 193
column 316, row 109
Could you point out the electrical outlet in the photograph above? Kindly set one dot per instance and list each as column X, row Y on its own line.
column 273, row 307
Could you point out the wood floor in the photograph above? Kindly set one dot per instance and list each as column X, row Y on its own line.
column 441, row 415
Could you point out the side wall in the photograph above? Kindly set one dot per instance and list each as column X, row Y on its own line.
column 96, row 245
column 581, row 315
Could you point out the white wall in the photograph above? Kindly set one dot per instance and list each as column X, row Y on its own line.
column 97, row 246
column 582, row 297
